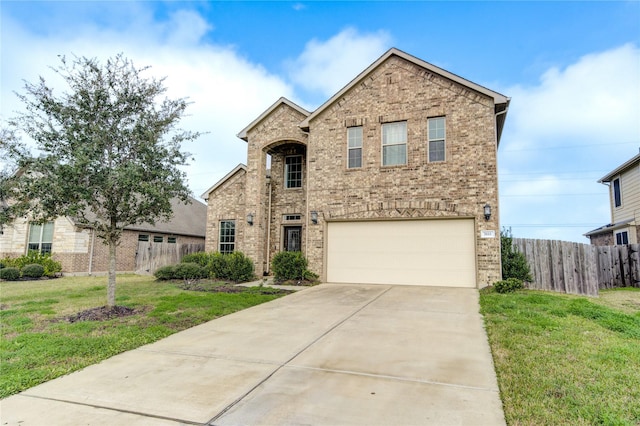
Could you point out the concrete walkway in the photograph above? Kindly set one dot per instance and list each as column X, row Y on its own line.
column 327, row 355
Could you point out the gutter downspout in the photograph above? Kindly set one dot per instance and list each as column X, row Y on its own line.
column 504, row 111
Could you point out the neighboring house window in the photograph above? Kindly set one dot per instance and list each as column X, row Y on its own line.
column 354, row 147
column 622, row 238
column 617, row 196
column 394, row 143
column 171, row 240
column 293, row 171
column 40, row 237
column 158, row 239
column 143, row 237
column 227, row 242
column 436, row 139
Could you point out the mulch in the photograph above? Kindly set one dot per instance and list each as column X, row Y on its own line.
column 102, row 313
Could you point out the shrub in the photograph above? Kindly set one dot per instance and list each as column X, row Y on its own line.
column 509, row 285
column 239, row 267
column 32, row 270
column 289, row 265
column 514, row 264
column 9, row 273
column 218, row 266
column 51, row 267
column 201, row 258
column 310, row 276
column 165, row 273
column 189, row 271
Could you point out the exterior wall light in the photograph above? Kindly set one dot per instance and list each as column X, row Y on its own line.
column 250, row 219
column 314, row 217
column 487, row 212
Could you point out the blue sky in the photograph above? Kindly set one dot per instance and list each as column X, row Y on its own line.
column 572, row 70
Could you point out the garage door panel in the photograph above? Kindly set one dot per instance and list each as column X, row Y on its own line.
column 412, row 252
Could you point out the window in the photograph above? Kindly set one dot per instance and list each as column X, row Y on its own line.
column 622, row 238
column 436, row 139
column 40, row 237
column 617, row 196
column 227, row 236
column 171, row 240
column 394, row 143
column 354, row 147
column 143, row 237
column 158, row 239
column 291, row 217
column 293, row 171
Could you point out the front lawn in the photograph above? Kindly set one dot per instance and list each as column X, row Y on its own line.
column 38, row 343
column 566, row 360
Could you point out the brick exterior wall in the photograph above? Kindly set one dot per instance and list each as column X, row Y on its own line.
column 227, row 202
column 397, row 90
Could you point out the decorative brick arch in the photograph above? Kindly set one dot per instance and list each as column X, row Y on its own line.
column 275, row 143
column 398, row 210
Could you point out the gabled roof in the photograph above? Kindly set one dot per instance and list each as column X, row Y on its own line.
column 239, row 167
column 188, row 219
column 243, row 133
column 627, row 165
column 501, row 101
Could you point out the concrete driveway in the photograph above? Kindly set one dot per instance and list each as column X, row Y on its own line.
column 328, row 355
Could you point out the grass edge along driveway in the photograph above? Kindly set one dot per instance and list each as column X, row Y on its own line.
column 38, row 344
column 566, row 360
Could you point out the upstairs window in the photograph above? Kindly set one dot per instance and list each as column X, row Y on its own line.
column 227, row 242
column 354, row 147
column 394, row 143
column 436, row 139
column 293, row 171
column 617, row 195
column 40, row 237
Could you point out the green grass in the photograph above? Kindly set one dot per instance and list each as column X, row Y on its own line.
column 566, row 360
column 37, row 345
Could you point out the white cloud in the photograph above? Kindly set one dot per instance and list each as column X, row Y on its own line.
column 227, row 91
column 327, row 66
column 596, row 100
column 581, row 121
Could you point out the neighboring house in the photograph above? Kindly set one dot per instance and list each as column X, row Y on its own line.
column 81, row 252
column 624, row 199
column 386, row 182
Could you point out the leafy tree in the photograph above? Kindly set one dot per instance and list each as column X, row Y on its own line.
column 109, row 149
column 514, row 263
column 11, row 150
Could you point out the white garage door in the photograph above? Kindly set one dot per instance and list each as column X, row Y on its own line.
column 410, row 252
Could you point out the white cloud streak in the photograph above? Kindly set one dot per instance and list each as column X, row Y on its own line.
column 326, row 66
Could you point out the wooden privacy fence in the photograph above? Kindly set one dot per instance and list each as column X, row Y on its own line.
column 580, row 268
column 151, row 256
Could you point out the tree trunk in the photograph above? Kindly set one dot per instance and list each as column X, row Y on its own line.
column 111, row 284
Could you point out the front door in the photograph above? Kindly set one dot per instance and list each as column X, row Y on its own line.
column 292, row 238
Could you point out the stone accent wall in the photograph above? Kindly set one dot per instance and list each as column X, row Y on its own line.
column 603, row 239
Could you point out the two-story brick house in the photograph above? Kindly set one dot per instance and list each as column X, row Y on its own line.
column 624, row 201
column 392, row 180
